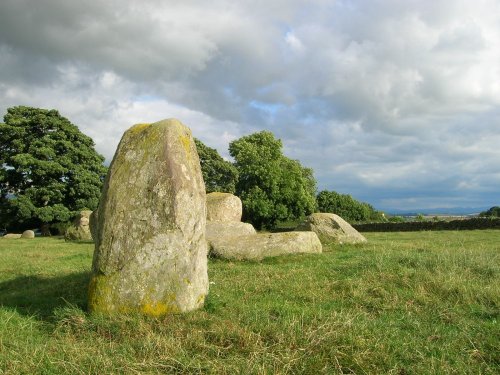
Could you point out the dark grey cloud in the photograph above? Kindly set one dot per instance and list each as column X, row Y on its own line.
column 395, row 102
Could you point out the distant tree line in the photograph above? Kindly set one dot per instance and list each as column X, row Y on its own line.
column 347, row 207
column 492, row 212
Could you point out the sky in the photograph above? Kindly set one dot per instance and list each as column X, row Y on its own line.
column 394, row 102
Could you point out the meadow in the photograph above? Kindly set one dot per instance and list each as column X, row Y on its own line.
column 404, row 303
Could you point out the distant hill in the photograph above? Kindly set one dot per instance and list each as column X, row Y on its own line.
column 462, row 211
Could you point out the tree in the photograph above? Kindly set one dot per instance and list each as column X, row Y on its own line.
column 218, row 174
column 48, row 168
column 347, row 207
column 271, row 186
column 492, row 212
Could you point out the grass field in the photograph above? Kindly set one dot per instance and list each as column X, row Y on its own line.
column 405, row 303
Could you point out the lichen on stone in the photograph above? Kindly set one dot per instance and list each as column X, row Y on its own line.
column 139, row 127
column 151, row 253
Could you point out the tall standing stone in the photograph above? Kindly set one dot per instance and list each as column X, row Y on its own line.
column 150, row 252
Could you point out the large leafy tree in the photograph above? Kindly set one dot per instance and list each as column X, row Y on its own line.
column 271, row 186
column 347, row 207
column 218, row 174
column 48, row 168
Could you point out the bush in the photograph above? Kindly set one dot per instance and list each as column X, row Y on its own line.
column 59, row 229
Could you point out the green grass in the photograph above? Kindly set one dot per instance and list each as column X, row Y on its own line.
column 404, row 303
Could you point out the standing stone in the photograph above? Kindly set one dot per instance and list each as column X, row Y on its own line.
column 223, row 207
column 80, row 229
column 93, row 223
column 331, row 228
column 28, row 234
column 150, row 249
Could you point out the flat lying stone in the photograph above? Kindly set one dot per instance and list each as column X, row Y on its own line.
column 12, row 235
column 263, row 245
column 219, row 229
column 331, row 228
column 223, row 231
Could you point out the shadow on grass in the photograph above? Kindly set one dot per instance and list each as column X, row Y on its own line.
column 39, row 296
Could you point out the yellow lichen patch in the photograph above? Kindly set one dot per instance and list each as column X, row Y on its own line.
column 154, row 309
column 159, row 308
column 200, row 299
column 138, row 127
column 219, row 194
column 99, row 294
column 186, row 143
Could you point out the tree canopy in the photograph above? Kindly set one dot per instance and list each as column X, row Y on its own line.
column 48, row 168
column 218, row 174
column 271, row 186
column 347, row 207
column 492, row 212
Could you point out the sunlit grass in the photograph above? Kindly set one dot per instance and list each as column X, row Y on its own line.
column 404, row 303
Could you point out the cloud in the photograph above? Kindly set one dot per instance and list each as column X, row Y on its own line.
column 379, row 97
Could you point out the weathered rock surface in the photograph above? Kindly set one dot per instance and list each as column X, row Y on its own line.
column 223, row 207
column 150, row 252
column 223, row 231
column 331, row 228
column 260, row 246
column 28, row 234
column 93, row 221
column 80, row 229
column 12, row 235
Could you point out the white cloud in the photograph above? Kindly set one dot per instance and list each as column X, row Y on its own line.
column 379, row 97
column 293, row 42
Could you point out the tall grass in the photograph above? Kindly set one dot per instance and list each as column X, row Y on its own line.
column 404, row 303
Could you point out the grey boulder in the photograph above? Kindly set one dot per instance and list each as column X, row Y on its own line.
column 263, row 245
column 223, row 207
column 331, row 228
